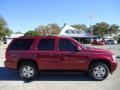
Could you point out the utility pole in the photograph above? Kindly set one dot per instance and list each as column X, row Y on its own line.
column 91, row 22
column 91, row 19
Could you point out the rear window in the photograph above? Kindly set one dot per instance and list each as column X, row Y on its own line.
column 46, row 45
column 21, row 44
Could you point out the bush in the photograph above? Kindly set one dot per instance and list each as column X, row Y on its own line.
column 32, row 33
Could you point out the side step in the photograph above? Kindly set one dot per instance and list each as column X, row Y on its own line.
column 62, row 72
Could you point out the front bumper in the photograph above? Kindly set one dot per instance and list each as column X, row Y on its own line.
column 10, row 64
column 114, row 65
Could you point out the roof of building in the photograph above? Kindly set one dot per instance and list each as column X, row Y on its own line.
column 69, row 31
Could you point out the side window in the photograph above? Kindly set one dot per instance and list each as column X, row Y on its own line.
column 66, row 45
column 21, row 44
column 46, row 44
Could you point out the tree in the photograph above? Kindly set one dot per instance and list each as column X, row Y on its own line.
column 43, row 30
column 100, row 29
column 50, row 29
column 32, row 33
column 4, row 30
column 80, row 26
column 18, row 32
column 55, row 29
column 113, row 29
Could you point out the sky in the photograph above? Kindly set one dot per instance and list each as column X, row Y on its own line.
column 24, row 15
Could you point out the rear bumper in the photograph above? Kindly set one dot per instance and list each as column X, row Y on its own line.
column 10, row 64
column 114, row 65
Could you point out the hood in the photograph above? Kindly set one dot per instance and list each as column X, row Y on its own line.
column 98, row 50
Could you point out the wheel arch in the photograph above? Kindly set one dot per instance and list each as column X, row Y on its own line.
column 21, row 61
column 100, row 61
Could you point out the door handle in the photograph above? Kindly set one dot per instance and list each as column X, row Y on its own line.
column 67, row 55
column 56, row 55
column 12, row 55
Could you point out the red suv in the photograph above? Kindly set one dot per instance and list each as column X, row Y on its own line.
column 29, row 55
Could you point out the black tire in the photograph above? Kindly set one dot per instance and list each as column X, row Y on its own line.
column 98, row 71
column 28, row 71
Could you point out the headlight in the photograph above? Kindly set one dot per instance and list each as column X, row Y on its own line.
column 114, row 57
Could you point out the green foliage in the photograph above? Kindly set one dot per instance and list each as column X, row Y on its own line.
column 18, row 32
column 103, row 28
column 80, row 26
column 55, row 29
column 100, row 29
column 4, row 30
column 113, row 29
column 32, row 33
column 50, row 29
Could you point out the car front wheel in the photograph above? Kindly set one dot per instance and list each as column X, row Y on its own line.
column 98, row 71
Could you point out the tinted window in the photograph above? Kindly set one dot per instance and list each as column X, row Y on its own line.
column 46, row 45
column 66, row 45
column 21, row 44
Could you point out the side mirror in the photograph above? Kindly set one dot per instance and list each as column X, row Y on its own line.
column 79, row 48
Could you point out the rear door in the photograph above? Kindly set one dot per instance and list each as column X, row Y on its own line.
column 48, row 58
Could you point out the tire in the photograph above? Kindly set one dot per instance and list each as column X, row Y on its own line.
column 28, row 71
column 98, row 71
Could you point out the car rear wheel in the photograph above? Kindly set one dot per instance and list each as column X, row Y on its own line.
column 28, row 71
column 98, row 71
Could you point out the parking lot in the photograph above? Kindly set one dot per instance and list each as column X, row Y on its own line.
column 9, row 79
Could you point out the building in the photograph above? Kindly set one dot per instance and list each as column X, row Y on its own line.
column 79, row 35
column 7, row 40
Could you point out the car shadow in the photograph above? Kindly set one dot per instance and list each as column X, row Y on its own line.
column 12, row 75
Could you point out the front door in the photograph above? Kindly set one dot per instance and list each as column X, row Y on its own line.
column 71, row 58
